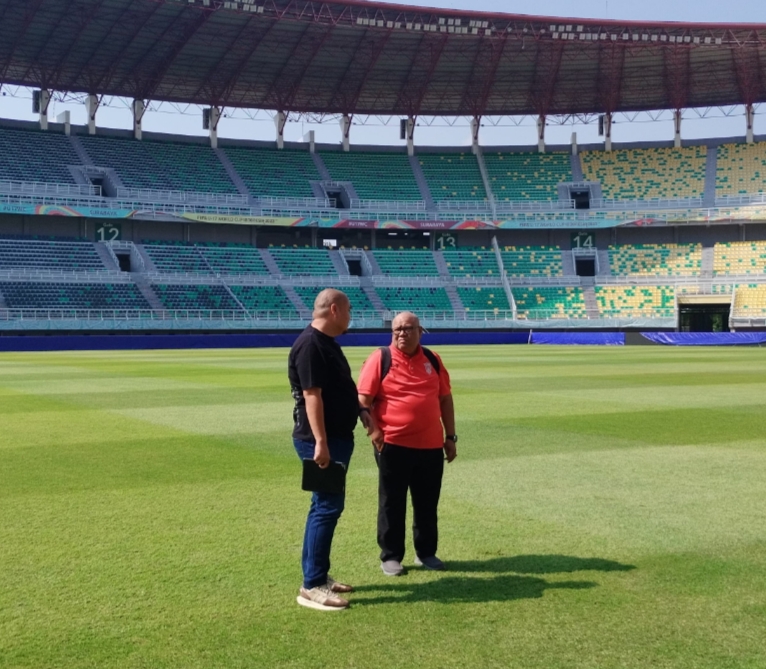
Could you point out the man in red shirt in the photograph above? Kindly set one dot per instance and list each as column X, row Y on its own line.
column 413, row 410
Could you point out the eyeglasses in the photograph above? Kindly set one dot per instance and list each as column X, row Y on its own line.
column 408, row 329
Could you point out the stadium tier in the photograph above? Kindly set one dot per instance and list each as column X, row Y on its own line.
column 230, row 259
column 264, row 298
column 303, row 262
column 193, row 298
column 453, row 176
column 633, row 301
column 647, row 174
column 375, row 176
column 549, row 302
column 33, row 295
column 527, row 176
column 414, row 299
column 160, row 165
column 272, row 173
column 482, row 298
column 33, row 155
column 532, row 261
column 655, row 259
column 357, row 296
column 740, row 258
column 471, row 262
column 741, row 169
column 750, row 301
column 406, row 263
column 79, row 256
column 176, row 258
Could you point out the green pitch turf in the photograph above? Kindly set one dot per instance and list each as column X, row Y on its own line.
column 607, row 509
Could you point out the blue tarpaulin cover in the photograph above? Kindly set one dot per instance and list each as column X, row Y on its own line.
column 706, row 338
column 579, row 338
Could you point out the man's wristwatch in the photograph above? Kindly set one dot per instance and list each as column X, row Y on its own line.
column 450, row 437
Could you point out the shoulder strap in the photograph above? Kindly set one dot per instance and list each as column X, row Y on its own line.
column 385, row 360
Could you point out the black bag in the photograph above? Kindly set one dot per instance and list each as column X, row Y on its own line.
column 332, row 479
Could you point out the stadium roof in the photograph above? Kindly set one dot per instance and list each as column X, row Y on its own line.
column 363, row 57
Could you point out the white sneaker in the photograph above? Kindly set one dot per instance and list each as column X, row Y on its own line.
column 322, row 598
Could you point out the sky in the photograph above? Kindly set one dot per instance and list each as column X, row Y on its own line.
column 237, row 124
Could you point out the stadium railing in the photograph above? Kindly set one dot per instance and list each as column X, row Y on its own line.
column 180, row 196
column 740, row 200
column 268, row 202
column 386, row 205
column 611, row 204
column 49, row 189
column 532, row 205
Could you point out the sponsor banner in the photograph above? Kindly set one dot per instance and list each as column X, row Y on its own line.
column 61, row 210
column 283, row 221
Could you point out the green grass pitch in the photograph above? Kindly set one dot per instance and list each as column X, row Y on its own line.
column 607, row 509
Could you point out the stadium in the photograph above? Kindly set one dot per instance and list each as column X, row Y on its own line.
column 606, row 509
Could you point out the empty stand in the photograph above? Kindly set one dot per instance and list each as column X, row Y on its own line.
column 741, row 169
column 375, row 176
column 263, row 298
column 483, row 298
column 160, row 165
column 406, row 263
column 303, row 262
column 549, row 302
column 76, row 256
column 750, row 301
column 357, row 296
column 633, row 301
column 532, row 261
column 453, row 176
column 194, row 298
column 655, row 259
column 647, row 174
column 179, row 257
column 33, row 295
column 272, row 173
column 527, row 176
column 740, row 258
column 33, row 155
column 231, row 259
column 397, row 298
column 471, row 262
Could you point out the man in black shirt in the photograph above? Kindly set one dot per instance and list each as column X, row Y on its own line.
column 325, row 414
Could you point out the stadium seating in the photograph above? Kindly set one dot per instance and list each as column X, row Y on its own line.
column 471, row 262
column 741, row 169
column 231, row 259
column 264, row 298
column 655, row 259
column 739, row 258
column 272, row 173
column 195, row 297
column 646, row 174
column 406, row 263
column 483, row 298
column 357, row 296
column 34, row 155
column 79, row 256
column 32, row 295
column 168, row 257
column 453, row 176
column 303, row 262
column 533, row 261
column 549, row 302
column 750, row 301
column 160, row 165
column 527, row 176
column 414, row 299
column 375, row 176
column 635, row 301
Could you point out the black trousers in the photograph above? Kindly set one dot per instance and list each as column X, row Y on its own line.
column 420, row 471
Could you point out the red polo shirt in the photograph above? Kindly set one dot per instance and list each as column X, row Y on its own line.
column 406, row 404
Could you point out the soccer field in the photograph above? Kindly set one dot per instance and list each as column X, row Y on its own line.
column 607, row 509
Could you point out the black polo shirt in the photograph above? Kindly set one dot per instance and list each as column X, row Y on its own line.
column 317, row 361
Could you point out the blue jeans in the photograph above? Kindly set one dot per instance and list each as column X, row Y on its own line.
column 323, row 515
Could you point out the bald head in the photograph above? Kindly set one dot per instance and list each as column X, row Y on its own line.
column 324, row 301
column 332, row 312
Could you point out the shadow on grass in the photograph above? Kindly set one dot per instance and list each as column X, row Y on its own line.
column 503, row 586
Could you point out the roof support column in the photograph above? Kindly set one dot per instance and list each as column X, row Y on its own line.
column 345, row 129
column 309, row 138
column 213, row 116
column 66, row 118
column 41, row 100
column 475, row 125
column 750, row 119
column 139, row 109
column 608, row 131
column 574, row 144
column 280, row 118
column 541, row 133
column 677, row 118
column 91, row 107
column 411, row 136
